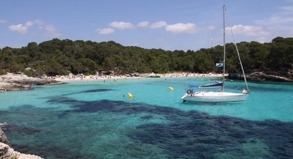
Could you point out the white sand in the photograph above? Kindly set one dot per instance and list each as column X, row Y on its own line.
column 4, row 79
column 106, row 78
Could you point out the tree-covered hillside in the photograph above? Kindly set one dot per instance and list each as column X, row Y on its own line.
column 61, row 57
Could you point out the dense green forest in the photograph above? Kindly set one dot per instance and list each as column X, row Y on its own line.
column 61, row 57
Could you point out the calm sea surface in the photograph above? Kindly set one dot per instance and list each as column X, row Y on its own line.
column 96, row 119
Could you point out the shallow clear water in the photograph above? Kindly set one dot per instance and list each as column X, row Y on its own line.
column 96, row 119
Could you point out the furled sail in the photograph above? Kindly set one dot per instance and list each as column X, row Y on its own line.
column 214, row 85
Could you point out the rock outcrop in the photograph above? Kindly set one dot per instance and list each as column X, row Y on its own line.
column 6, row 152
column 262, row 76
column 12, row 82
column 3, row 138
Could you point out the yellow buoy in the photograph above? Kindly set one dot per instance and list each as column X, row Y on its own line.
column 171, row 88
column 130, row 95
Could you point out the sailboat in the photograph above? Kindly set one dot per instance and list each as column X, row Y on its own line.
column 221, row 95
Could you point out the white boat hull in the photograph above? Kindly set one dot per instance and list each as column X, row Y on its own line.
column 214, row 97
column 221, row 96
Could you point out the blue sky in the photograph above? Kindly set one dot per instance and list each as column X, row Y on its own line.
column 166, row 24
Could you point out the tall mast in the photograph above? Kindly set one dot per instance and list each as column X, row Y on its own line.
column 224, row 46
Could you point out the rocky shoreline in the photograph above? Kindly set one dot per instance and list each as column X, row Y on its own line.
column 6, row 152
column 12, row 82
column 262, row 76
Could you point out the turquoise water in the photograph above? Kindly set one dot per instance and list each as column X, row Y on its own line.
column 96, row 119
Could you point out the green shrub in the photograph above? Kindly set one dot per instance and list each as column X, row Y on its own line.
column 2, row 72
column 28, row 73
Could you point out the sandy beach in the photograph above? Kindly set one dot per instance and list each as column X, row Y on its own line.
column 10, row 82
column 107, row 78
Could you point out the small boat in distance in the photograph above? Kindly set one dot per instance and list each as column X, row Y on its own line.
column 220, row 95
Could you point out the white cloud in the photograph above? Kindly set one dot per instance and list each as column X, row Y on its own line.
column 277, row 24
column 288, row 8
column 248, row 30
column 211, row 28
column 121, row 25
column 3, row 21
column 19, row 28
column 105, row 31
column 51, row 30
column 275, row 19
column 39, row 23
column 29, row 23
column 158, row 24
column 262, row 39
column 143, row 24
column 23, row 28
column 182, row 28
column 285, row 15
